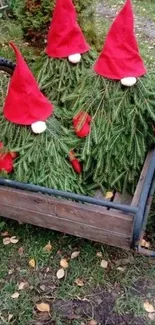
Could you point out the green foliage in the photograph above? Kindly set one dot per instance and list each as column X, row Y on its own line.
column 35, row 17
column 59, row 78
column 121, row 130
column 43, row 159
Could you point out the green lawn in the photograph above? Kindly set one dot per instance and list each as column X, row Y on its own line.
column 112, row 296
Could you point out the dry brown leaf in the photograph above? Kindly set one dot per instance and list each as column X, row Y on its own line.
column 148, row 307
column 21, row 251
column 14, row 240
column 5, row 234
column 79, row 282
column 48, row 247
column 59, row 252
column 60, row 274
column 22, row 285
column 10, row 271
column 104, row 264
column 32, row 263
column 145, row 243
column 6, row 241
column 151, row 316
column 121, row 269
column 43, row 287
column 99, row 254
column 10, row 316
column 75, row 255
column 64, row 264
column 92, row 322
column 43, row 307
column 15, row 295
column 109, row 195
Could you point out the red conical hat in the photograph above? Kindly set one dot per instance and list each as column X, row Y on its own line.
column 25, row 104
column 120, row 57
column 65, row 36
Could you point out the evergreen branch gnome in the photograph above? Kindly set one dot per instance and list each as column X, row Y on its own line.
column 120, row 133
column 66, row 53
column 120, row 58
column 25, row 104
column 65, row 38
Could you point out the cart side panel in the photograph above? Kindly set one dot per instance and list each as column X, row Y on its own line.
column 83, row 220
column 142, row 178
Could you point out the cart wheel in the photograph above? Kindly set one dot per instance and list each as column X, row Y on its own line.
column 6, row 71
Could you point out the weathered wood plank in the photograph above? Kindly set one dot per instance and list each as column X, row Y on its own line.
column 76, row 212
column 66, row 226
column 142, row 180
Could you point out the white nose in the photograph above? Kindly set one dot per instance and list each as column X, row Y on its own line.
column 38, row 127
column 129, row 81
column 74, row 58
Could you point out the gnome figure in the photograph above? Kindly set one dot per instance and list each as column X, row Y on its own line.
column 65, row 38
column 120, row 58
column 25, row 104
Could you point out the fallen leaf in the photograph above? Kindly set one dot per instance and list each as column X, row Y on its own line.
column 22, row 285
column 99, row 254
column 14, row 240
column 148, row 307
column 6, row 241
column 151, row 316
column 145, row 243
column 10, row 316
column 60, row 273
column 10, row 271
column 48, row 247
column 32, row 263
column 92, row 322
column 109, row 195
column 104, row 264
column 59, row 252
column 79, row 282
column 43, row 307
column 75, row 255
column 121, row 269
column 5, row 234
column 21, row 251
column 43, row 287
column 15, row 295
column 64, row 264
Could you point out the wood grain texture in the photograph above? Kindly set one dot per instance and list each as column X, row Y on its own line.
column 92, row 222
column 141, row 180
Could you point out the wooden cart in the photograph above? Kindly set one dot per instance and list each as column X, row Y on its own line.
column 113, row 223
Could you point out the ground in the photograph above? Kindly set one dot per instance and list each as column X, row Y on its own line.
column 88, row 294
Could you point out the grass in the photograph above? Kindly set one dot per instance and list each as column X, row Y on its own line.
column 11, row 31
column 15, row 269
column 123, row 287
column 142, row 7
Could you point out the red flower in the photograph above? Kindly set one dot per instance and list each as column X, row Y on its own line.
column 75, row 163
column 81, row 124
column 6, row 160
